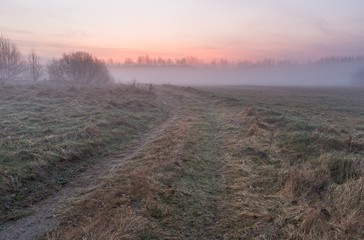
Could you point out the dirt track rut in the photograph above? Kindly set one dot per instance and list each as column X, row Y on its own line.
column 45, row 214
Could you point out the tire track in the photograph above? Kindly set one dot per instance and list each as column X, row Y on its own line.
column 44, row 216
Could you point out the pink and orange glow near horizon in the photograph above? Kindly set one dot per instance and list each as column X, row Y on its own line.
column 206, row 29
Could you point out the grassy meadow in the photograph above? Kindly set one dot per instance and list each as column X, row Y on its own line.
column 296, row 163
column 223, row 163
column 50, row 133
column 239, row 163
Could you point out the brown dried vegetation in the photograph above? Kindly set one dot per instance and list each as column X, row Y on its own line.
column 236, row 164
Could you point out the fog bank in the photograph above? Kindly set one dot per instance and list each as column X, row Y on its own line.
column 336, row 74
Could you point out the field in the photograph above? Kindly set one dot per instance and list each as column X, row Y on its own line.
column 182, row 163
column 48, row 134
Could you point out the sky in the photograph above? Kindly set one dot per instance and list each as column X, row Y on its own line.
column 233, row 29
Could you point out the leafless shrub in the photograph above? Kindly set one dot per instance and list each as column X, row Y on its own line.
column 79, row 68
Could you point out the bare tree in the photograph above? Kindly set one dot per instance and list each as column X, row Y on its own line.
column 55, row 71
column 79, row 68
column 11, row 64
column 35, row 68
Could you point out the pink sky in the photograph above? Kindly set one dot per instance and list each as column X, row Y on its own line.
column 232, row 29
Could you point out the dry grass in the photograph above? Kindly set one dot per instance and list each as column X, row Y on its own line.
column 48, row 133
column 167, row 192
column 130, row 202
column 249, row 205
column 289, row 175
column 238, row 164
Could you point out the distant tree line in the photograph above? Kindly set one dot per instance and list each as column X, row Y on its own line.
column 340, row 59
column 158, row 61
column 193, row 61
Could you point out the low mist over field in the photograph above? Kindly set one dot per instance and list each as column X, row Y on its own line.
column 200, row 42
column 336, row 74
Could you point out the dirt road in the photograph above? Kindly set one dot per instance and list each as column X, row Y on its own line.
column 44, row 216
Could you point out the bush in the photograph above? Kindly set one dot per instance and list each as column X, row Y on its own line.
column 79, row 68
